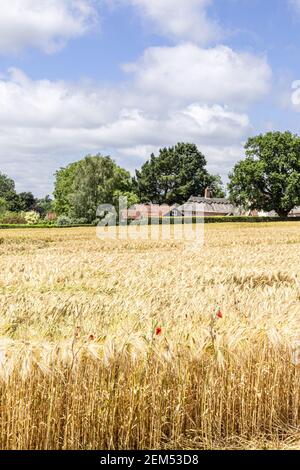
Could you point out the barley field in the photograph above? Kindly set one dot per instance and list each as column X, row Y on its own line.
column 130, row 344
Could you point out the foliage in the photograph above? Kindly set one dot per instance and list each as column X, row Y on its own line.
column 83, row 186
column 25, row 202
column 63, row 188
column 174, row 175
column 31, row 217
column 3, row 206
column 7, row 190
column 63, row 221
column 269, row 178
column 12, row 218
column 44, row 206
column 129, row 196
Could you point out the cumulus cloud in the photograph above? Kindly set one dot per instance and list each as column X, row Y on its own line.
column 295, row 98
column 188, row 73
column 45, row 24
column 42, row 121
column 177, row 19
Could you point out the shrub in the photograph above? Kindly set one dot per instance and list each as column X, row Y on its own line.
column 80, row 221
column 14, row 218
column 63, row 221
column 31, row 217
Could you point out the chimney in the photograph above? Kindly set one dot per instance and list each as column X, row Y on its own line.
column 208, row 193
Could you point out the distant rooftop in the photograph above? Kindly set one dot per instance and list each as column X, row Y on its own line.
column 209, row 200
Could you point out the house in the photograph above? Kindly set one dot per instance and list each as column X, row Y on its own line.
column 295, row 212
column 143, row 211
column 174, row 212
column 207, row 206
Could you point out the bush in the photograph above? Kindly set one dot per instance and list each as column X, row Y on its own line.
column 64, row 221
column 80, row 221
column 31, row 217
column 13, row 218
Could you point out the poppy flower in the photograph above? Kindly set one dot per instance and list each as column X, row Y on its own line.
column 91, row 338
column 158, row 331
column 219, row 314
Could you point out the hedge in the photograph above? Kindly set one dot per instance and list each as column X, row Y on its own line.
column 15, row 226
column 213, row 220
column 172, row 221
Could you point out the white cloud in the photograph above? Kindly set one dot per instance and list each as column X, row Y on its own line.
column 295, row 98
column 177, row 19
column 43, row 124
column 187, row 73
column 45, row 24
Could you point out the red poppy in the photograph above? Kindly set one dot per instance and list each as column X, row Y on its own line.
column 158, row 331
column 219, row 314
column 91, row 338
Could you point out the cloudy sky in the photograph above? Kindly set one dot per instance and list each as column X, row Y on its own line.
column 125, row 77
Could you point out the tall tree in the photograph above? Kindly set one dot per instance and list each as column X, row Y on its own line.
column 82, row 187
column 25, row 202
column 63, row 188
column 3, row 206
column 7, row 189
column 44, row 205
column 174, row 175
column 269, row 177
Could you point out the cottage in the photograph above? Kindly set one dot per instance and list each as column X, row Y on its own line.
column 144, row 211
column 295, row 212
column 207, row 206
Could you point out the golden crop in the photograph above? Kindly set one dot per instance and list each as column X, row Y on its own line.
column 82, row 365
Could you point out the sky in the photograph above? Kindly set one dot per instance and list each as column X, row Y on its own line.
column 127, row 77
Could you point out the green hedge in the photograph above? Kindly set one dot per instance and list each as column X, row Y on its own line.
column 172, row 221
column 15, row 226
column 214, row 220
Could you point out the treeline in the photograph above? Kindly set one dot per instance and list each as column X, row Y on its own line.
column 267, row 179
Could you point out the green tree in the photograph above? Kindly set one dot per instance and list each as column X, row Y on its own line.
column 269, row 177
column 130, row 196
column 3, row 206
column 83, row 186
column 174, row 175
column 44, row 205
column 63, row 188
column 24, row 202
column 7, row 190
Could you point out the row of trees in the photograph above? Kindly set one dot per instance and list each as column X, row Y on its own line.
column 12, row 204
column 267, row 179
column 171, row 177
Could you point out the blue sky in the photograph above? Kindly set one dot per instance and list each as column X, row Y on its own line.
column 125, row 77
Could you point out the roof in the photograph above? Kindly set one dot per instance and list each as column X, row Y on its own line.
column 208, row 207
column 295, row 211
column 213, row 200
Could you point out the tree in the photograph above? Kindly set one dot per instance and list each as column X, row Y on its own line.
column 174, row 175
column 7, row 190
column 269, row 178
column 83, row 186
column 44, row 206
column 25, row 202
column 3, row 206
column 63, row 188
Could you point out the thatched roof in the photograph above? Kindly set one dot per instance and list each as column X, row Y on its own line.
column 209, row 205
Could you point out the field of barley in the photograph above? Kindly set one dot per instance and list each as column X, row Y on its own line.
column 131, row 344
